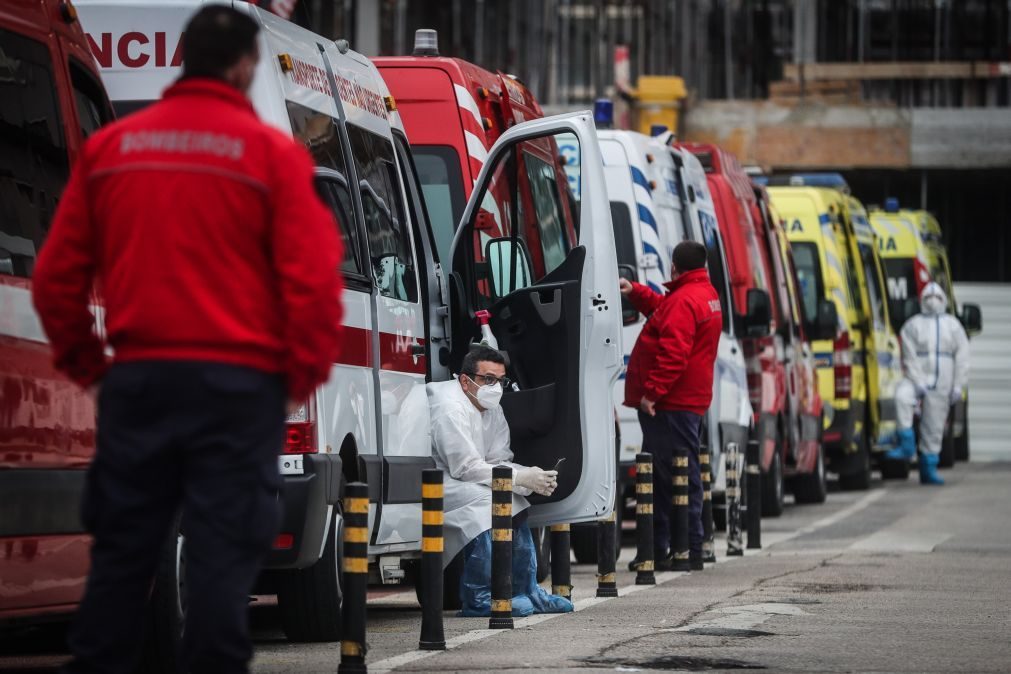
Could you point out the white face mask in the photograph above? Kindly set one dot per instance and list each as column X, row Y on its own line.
column 489, row 397
column 933, row 304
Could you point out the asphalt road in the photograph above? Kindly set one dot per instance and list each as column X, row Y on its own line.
column 900, row 578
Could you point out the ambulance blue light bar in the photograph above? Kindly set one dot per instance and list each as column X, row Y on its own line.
column 603, row 113
column 831, row 180
column 891, row 205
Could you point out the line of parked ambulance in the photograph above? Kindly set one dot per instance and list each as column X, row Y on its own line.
column 454, row 196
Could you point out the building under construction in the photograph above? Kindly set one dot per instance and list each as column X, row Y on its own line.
column 908, row 98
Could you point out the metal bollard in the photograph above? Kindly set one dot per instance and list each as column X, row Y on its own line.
column 606, row 584
column 708, row 545
column 432, row 636
column 356, row 577
column 679, row 514
column 644, row 519
column 754, row 495
column 501, row 549
column 735, row 546
column 561, row 564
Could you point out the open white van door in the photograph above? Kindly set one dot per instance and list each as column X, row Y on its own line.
column 562, row 332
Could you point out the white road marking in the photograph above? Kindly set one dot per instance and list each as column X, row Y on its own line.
column 749, row 612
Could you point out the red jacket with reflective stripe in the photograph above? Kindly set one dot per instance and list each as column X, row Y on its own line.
column 673, row 359
column 201, row 229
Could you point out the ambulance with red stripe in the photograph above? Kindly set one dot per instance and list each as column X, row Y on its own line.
column 409, row 311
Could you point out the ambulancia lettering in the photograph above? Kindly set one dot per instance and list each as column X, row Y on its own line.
column 311, row 77
column 135, row 49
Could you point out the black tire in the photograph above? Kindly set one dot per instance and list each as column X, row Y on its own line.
column 720, row 518
column 310, row 599
column 542, row 544
column 166, row 610
column 812, row 487
column 772, row 487
column 962, row 442
column 859, row 479
column 451, row 584
column 583, row 538
column 947, row 458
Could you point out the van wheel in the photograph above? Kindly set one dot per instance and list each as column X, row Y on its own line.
column 962, row 443
column 583, row 537
column 167, row 608
column 772, row 488
column 812, row 488
column 859, row 479
column 310, row 599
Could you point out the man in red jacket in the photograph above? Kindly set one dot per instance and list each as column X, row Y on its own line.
column 216, row 263
column 670, row 381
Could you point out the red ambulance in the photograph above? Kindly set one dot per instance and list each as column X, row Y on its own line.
column 780, row 364
column 453, row 112
column 51, row 99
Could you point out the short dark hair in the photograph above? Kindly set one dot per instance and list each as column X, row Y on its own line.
column 689, row 255
column 215, row 38
column 480, row 354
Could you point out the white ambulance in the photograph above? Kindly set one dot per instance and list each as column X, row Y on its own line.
column 410, row 318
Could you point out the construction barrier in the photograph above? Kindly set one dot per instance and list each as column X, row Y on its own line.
column 754, row 493
column 735, row 544
column 644, row 519
column 501, row 548
column 679, row 520
column 561, row 564
column 606, row 556
column 706, row 470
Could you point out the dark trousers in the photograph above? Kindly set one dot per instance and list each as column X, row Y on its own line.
column 199, row 439
column 665, row 436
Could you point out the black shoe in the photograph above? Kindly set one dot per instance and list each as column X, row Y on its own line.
column 665, row 563
column 657, row 557
column 695, row 561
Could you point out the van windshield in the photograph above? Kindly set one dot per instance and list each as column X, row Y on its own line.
column 442, row 185
column 805, row 259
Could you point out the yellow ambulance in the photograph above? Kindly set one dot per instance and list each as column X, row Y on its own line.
column 913, row 253
column 846, row 317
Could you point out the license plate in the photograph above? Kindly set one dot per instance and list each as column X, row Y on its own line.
column 290, row 465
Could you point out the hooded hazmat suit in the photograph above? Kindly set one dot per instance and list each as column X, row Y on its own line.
column 935, row 361
column 467, row 444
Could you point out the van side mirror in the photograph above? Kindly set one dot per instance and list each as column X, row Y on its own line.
column 827, row 321
column 972, row 318
column 508, row 266
column 758, row 317
column 629, row 314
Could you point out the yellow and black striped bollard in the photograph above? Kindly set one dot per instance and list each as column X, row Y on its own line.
column 644, row 519
column 679, row 517
column 735, row 544
column 432, row 635
column 561, row 566
column 753, row 491
column 356, row 577
column 706, row 469
column 606, row 583
column 501, row 548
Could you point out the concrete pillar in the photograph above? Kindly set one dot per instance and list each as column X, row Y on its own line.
column 366, row 27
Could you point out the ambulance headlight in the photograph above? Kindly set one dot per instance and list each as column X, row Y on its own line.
column 426, row 42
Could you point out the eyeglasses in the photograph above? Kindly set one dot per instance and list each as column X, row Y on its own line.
column 490, row 380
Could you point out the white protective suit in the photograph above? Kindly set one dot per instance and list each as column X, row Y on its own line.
column 935, row 360
column 466, row 445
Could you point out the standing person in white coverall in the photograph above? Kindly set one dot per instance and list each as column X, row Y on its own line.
column 470, row 436
column 935, row 360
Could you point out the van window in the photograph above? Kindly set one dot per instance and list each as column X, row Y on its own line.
column 92, row 108
column 874, row 290
column 856, row 298
column 548, row 209
column 717, row 272
column 442, row 185
column 624, row 237
column 33, row 151
column 808, row 266
column 318, row 132
column 334, row 192
column 387, row 229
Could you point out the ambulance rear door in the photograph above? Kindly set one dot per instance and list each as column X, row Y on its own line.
column 562, row 331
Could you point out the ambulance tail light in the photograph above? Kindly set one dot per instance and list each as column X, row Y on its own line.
column 842, row 362
column 300, row 433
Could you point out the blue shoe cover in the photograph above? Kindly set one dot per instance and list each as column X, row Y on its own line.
column 907, row 446
column 928, row 469
column 525, row 576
